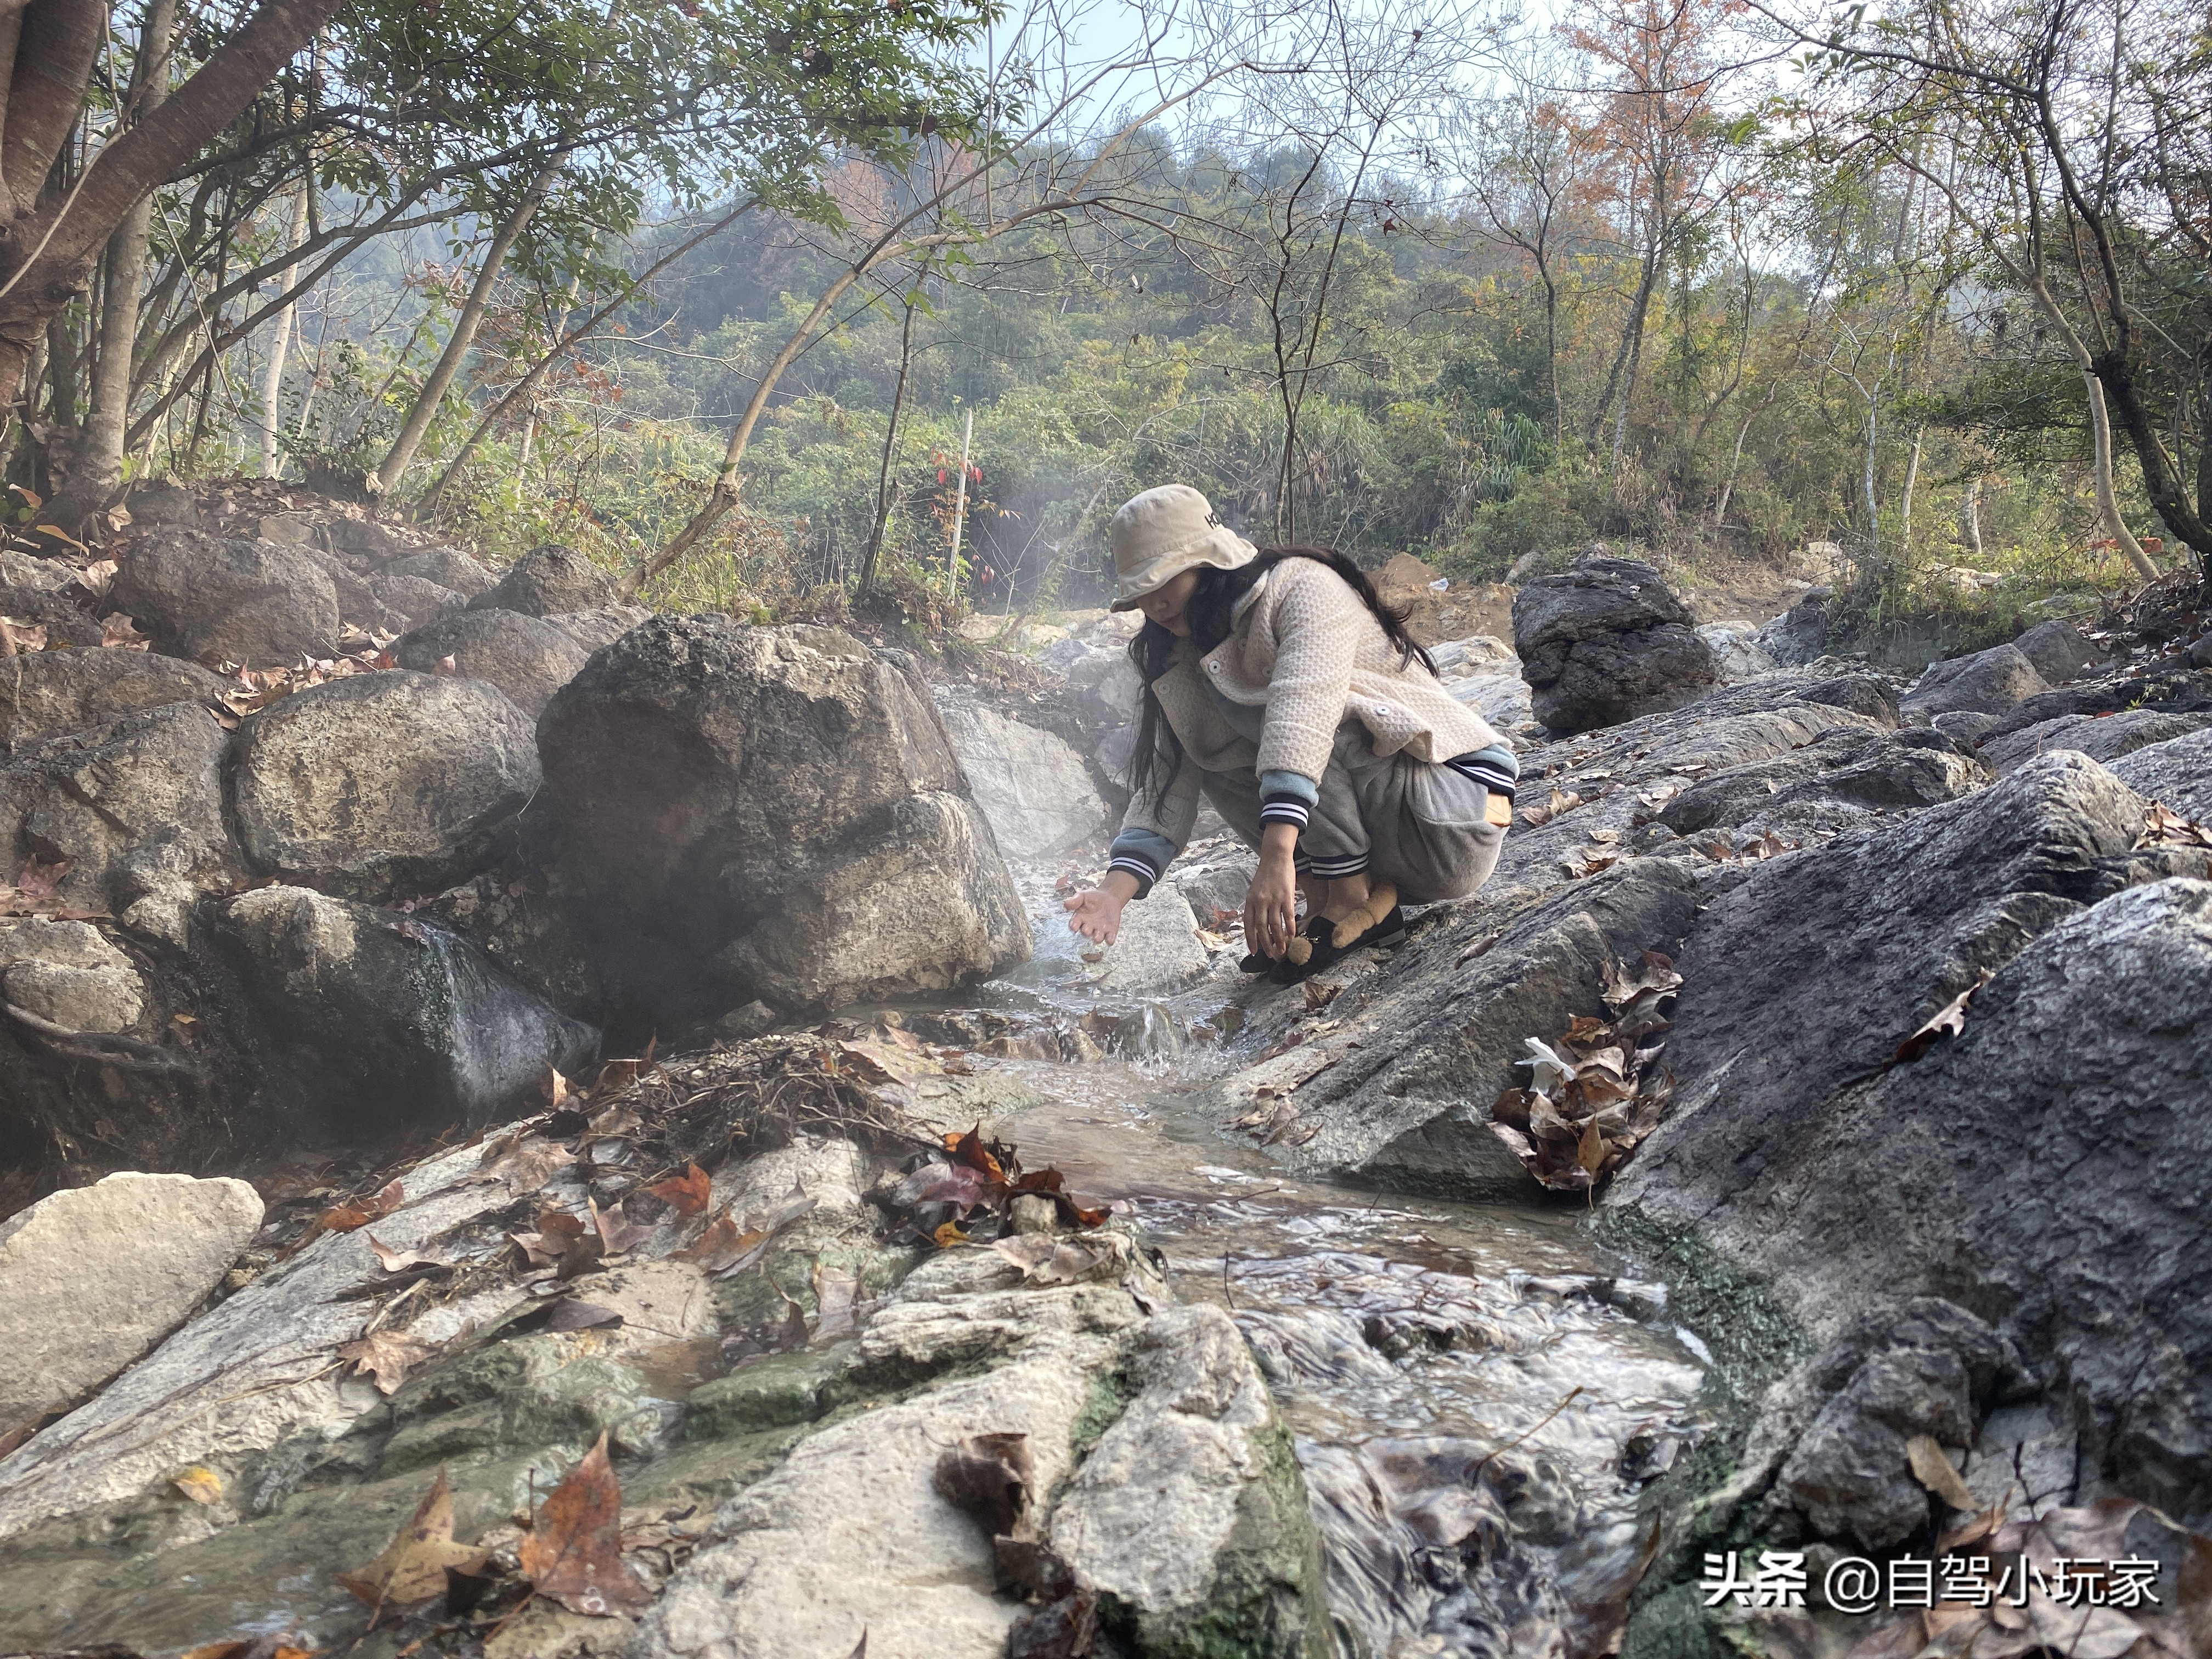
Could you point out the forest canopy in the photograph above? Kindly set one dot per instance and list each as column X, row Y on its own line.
column 748, row 300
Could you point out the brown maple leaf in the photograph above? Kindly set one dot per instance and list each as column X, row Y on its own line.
column 524, row 1162
column 573, row 1553
column 387, row 1355
column 360, row 1212
column 413, row 1567
column 686, row 1193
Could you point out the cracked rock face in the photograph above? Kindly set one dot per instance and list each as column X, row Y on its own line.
column 252, row 602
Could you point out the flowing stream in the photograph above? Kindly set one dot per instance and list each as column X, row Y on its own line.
column 1478, row 1397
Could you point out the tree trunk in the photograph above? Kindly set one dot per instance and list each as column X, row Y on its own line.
column 465, row 328
column 1970, row 519
column 883, row 485
column 272, row 380
column 1911, row 479
column 1728, row 485
column 959, row 510
column 47, row 254
column 98, row 471
column 2108, row 507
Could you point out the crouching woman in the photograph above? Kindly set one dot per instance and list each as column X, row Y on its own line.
column 1278, row 687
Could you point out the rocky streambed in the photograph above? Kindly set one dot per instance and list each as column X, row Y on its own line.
column 1264, row 1415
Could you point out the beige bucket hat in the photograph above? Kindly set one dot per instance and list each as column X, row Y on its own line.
column 1166, row 531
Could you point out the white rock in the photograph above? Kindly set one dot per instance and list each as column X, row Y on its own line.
column 1158, row 949
column 91, row 1277
column 1032, row 787
column 852, row 1536
column 1736, row 644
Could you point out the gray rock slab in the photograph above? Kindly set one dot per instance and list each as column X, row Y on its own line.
column 2101, row 737
column 91, row 1277
column 593, row 628
column 1032, row 789
column 379, row 783
column 415, row 598
column 50, row 692
column 2047, row 1166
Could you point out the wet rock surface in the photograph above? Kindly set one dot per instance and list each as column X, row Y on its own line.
column 1032, row 787
column 383, row 1019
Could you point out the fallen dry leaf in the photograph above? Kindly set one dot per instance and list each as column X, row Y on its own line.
column 360, row 1212
column 386, row 1356
column 392, row 1261
column 990, row 1477
column 199, row 1483
column 723, row 1246
column 1932, row 1468
column 1949, row 1020
column 524, row 1162
column 558, row 1231
column 573, row 1552
column 413, row 1567
column 118, row 632
column 835, row 1291
column 686, row 1193
column 1046, row 1259
column 616, row 1233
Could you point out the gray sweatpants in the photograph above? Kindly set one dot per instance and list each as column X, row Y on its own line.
column 1413, row 824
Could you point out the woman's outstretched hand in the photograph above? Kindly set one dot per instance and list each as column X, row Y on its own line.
column 1271, row 905
column 1096, row 914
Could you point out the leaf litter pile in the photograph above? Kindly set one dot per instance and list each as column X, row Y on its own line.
column 1597, row 1091
column 635, row 1152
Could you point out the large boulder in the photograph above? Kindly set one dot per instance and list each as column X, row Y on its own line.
column 1799, row 636
column 773, row 813
column 546, row 581
column 369, row 1019
column 1606, row 641
column 1987, row 683
column 2177, row 773
column 204, row 597
column 2049, row 1168
column 417, row 601
column 91, row 1277
column 379, row 783
column 1033, row 788
column 2058, row 651
column 525, row 657
column 448, row 568
column 135, row 807
column 1847, row 778
column 2010, row 1169
column 49, row 692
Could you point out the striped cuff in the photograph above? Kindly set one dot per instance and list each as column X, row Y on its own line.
column 1336, row 869
column 1286, row 809
column 1490, row 768
column 1139, row 868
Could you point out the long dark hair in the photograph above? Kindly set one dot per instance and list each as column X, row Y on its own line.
column 1159, row 753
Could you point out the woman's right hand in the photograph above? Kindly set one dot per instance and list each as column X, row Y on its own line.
column 1096, row 914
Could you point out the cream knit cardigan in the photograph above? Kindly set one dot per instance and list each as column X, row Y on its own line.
column 1305, row 648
